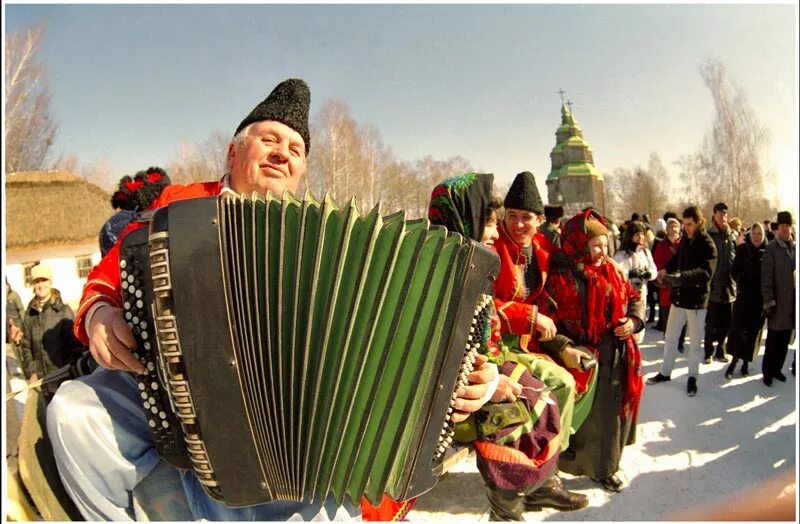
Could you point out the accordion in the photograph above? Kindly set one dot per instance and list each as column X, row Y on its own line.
column 296, row 350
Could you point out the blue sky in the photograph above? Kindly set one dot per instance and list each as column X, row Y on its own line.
column 131, row 83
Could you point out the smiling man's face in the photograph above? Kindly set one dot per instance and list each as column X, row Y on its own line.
column 270, row 156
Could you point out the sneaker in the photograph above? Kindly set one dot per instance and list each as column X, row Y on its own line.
column 780, row 376
column 658, row 378
column 612, row 483
column 553, row 494
column 691, row 386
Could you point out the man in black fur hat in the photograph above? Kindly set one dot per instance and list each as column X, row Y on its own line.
column 551, row 228
column 524, row 258
column 106, row 456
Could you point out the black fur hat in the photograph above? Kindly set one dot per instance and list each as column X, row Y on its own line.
column 553, row 213
column 784, row 217
column 524, row 194
column 288, row 104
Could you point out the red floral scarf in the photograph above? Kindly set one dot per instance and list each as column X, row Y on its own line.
column 590, row 299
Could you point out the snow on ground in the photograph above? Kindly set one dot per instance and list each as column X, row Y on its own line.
column 689, row 452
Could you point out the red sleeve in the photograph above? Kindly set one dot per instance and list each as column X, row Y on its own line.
column 102, row 285
column 516, row 317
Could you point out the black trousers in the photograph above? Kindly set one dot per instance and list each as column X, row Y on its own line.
column 775, row 350
column 652, row 301
column 718, row 321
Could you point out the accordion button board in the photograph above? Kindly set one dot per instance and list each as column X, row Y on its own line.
column 137, row 302
column 306, row 350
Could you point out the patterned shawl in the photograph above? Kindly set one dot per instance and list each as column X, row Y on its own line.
column 460, row 203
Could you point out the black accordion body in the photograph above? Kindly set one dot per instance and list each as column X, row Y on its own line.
column 297, row 350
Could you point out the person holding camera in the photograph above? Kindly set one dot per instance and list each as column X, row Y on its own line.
column 688, row 274
column 635, row 258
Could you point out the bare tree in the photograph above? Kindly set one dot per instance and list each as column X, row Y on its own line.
column 732, row 152
column 30, row 128
column 201, row 162
column 99, row 174
column 641, row 190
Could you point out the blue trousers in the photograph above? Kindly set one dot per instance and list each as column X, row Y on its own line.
column 112, row 471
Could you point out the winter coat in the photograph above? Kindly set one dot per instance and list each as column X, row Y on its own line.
column 778, row 284
column 663, row 251
column 15, row 312
column 723, row 287
column 695, row 260
column 47, row 339
column 552, row 232
column 640, row 268
column 747, row 317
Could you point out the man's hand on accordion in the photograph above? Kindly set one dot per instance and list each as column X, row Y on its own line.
column 482, row 385
column 111, row 340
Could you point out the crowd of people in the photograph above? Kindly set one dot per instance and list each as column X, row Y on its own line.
column 570, row 309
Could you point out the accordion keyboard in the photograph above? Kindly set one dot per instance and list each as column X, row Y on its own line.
column 478, row 334
column 137, row 304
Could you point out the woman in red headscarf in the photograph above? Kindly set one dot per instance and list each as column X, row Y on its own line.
column 593, row 306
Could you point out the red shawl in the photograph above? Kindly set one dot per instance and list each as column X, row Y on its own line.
column 589, row 300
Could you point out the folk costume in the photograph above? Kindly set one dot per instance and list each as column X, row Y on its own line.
column 517, row 458
column 587, row 303
column 519, row 290
column 106, row 457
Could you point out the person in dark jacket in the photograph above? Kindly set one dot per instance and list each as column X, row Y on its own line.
column 689, row 274
column 778, row 290
column 747, row 320
column 15, row 313
column 47, row 340
column 551, row 228
column 723, row 287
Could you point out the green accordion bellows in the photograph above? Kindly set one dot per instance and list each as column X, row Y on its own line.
column 307, row 350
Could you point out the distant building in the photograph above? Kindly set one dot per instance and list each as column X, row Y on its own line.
column 52, row 217
column 574, row 182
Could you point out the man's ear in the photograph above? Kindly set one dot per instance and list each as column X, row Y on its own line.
column 231, row 155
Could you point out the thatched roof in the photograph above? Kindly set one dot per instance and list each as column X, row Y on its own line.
column 50, row 208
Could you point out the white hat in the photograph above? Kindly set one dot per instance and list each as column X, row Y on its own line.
column 41, row 271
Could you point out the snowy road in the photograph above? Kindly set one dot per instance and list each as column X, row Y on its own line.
column 689, row 452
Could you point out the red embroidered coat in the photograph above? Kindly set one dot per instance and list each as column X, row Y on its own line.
column 517, row 312
column 103, row 284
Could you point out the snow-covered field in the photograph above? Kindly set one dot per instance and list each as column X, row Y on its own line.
column 689, row 452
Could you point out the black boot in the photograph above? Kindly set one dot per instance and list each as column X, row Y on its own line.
column 731, row 367
column 505, row 505
column 745, row 371
column 553, row 494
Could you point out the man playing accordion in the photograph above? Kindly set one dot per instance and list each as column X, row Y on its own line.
column 105, row 455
